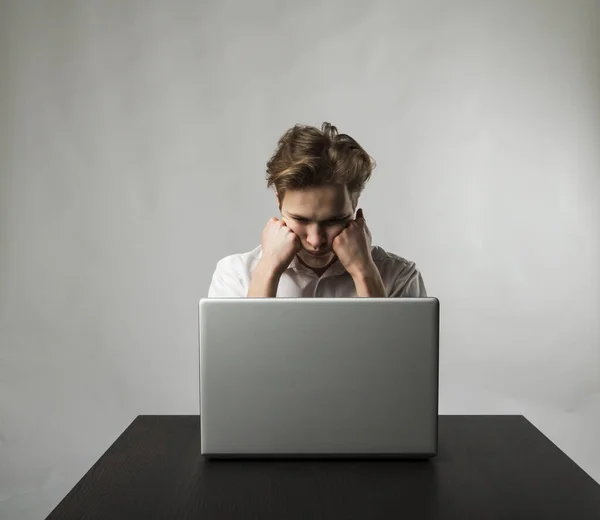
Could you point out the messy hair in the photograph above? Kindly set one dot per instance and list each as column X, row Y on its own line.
column 307, row 157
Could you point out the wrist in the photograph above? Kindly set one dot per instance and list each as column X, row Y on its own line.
column 268, row 271
column 364, row 271
column 264, row 281
column 368, row 283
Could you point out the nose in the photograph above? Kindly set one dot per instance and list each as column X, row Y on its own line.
column 316, row 237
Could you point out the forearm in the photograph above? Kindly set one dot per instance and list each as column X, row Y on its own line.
column 369, row 284
column 264, row 282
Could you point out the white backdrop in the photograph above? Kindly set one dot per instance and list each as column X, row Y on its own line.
column 133, row 143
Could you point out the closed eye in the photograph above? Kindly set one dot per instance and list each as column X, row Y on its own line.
column 327, row 222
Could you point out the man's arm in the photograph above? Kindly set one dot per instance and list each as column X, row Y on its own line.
column 369, row 283
column 263, row 282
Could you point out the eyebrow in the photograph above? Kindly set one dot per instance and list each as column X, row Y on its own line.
column 337, row 217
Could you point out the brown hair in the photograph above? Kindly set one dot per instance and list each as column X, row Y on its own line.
column 308, row 157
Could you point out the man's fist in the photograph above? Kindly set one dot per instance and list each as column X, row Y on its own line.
column 353, row 246
column 279, row 245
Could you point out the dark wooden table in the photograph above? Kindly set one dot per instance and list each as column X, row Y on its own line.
column 488, row 467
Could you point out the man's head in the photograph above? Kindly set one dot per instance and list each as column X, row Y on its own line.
column 318, row 176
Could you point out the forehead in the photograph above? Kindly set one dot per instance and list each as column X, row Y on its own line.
column 320, row 202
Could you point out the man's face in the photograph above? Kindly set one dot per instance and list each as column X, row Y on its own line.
column 317, row 215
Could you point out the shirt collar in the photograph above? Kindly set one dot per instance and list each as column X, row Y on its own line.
column 334, row 269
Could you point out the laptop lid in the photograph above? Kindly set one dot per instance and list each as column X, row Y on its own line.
column 301, row 377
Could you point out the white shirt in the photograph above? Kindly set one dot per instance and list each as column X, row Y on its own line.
column 400, row 277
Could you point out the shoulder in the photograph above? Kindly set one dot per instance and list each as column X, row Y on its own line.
column 392, row 262
column 240, row 262
column 231, row 277
column 401, row 276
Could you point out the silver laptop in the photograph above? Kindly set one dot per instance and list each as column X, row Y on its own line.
column 319, row 377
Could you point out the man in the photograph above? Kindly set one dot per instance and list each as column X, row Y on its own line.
column 318, row 248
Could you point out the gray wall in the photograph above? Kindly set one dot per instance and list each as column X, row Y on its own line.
column 133, row 143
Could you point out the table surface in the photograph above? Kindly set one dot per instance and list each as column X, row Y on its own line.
column 488, row 467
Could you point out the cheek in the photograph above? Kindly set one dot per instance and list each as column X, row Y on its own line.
column 293, row 226
column 300, row 230
column 334, row 232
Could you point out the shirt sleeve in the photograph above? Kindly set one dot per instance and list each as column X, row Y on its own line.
column 226, row 282
column 414, row 287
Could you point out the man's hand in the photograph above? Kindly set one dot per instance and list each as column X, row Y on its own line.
column 279, row 245
column 353, row 247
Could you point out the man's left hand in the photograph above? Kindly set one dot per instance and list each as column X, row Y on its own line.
column 353, row 247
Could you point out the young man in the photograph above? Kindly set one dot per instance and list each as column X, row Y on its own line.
column 318, row 248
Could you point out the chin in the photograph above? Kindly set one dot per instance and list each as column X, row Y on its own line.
column 317, row 260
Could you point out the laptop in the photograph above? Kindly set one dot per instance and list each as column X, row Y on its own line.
column 319, row 377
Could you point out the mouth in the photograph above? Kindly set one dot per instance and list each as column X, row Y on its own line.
column 312, row 253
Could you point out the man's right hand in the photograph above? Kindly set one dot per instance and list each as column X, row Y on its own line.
column 279, row 246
